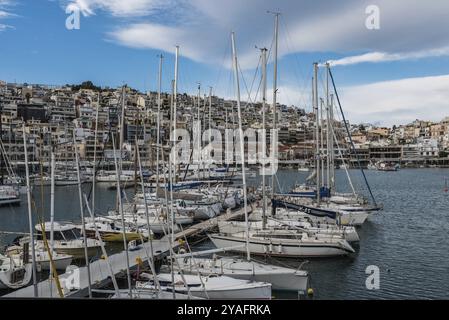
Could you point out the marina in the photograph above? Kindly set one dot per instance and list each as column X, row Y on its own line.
column 189, row 189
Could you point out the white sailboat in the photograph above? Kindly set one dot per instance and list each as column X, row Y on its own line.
column 61, row 261
column 14, row 273
column 209, row 287
column 281, row 278
column 68, row 240
column 284, row 243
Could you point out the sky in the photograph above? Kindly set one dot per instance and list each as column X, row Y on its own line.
column 389, row 68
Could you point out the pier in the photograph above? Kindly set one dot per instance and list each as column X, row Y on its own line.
column 99, row 269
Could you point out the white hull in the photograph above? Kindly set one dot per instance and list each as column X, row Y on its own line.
column 60, row 263
column 274, row 247
column 16, row 278
column 280, row 278
column 214, row 287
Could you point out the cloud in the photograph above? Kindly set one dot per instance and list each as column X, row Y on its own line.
column 119, row 8
column 203, row 28
column 377, row 57
column 398, row 101
column 5, row 13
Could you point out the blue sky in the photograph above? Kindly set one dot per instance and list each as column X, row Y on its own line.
column 392, row 75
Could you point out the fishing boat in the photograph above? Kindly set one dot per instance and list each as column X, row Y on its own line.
column 208, row 287
column 68, row 240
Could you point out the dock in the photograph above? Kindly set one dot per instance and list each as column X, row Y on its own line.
column 99, row 269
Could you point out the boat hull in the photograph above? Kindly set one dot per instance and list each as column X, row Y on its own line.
column 277, row 249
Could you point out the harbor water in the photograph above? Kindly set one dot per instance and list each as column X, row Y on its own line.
column 408, row 241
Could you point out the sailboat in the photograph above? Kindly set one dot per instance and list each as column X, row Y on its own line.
column 14, row 272
column 61, row 261
column 111, row 230
column 281, row 278
column 68, row 240
column 208, row 286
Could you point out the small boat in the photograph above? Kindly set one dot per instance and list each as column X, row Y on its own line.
column 111, row 230
column 209, row 287
column 68, row 240
column 9, row 195
column 61, row 261
column 67, row 180
column 14, row 272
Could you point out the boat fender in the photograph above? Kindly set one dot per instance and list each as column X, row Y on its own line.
column 310, row 292
column 270, row 248
column 280, row 248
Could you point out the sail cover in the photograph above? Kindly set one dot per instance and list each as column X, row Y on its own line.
column 306, row 209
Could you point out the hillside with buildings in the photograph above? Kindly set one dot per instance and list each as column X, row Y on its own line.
column 52, row 113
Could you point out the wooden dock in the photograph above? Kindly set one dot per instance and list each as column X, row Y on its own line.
column 99, row 269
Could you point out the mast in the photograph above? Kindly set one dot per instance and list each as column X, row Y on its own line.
column 83, row 225
column 52, row 205
column 242, row 140
column 322, row 142
column 198, row 117
column 122, row 131
column 331, row 123
column 210, row 123
column 147, row 216
column 175, row 103
column 317, row 131
column 328, row 137
column 264, row 101
column 120, row 208
column 275, row 80
column 158, row 121
column 95, row 156
column 30, row 215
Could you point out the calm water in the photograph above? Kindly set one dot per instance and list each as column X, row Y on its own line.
column 408, row 241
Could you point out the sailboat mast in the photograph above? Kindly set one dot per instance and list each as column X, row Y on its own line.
column 275, row 80
column 331, row 115
column 264, row 125
column 210, row 123
column 328, row 137
column 317, row 131
column 175, row 103
column 120, row 208
column 158, row 121
column 83, row 224
column 52, row 206
column 198, row 119
column 242, row 140
column 30, row 215
column 322, row 142
column 95, row 156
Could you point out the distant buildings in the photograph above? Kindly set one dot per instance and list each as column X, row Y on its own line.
column 53, row 113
